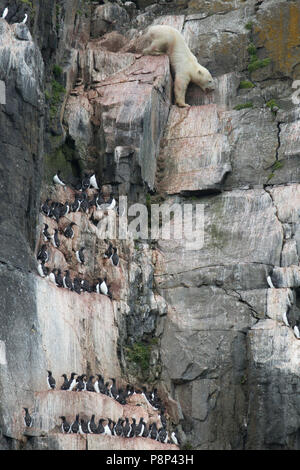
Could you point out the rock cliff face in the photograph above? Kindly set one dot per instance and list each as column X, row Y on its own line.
column 201, row 323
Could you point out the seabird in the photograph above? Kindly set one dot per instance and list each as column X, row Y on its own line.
column 92, row 426
column 146, row 431
column 133, row 427
column 100, row 428
column 126, row 428
column 77, row 285
column 43, row 254
column 121, row 397
column 72, row 382
column 98, row 385
column 296, row 332
column 153, row 434
column 65, row 426
column 163, row 435
column 69, row 232
column 107, row 429
column 269, row 281
column 139, row 430
column 109, row 252
column 58, row 278
column 46, row 234
column 101, row 287
column 46, row 208
column 90, row 385
column 79, row 384
column 93, row 181
column 113, row 391
column 100, row 202
column 25, row 18
column 83, row 427
column 112, row 424
column 175, row 438
column 284, row 318
column 162, row 418
column 115, row 257
column 55, row 211
column 54, row 239
column 118, row 429
column 27, row 418
column 4, row 14
column 80, row 255
column 105, row 389
column 42, row 270
column 67, row 281
column 57, row 179
column 85, row 286
column 85, row 205
column 64, row 209
column 52, row 276
column 65, row 384
column 51, row 380
column 85, row 183
column 76, row 204
column 75, row 425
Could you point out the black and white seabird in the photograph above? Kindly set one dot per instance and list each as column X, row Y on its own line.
column 93, row 181
column 55, row 239
column 80, row 255
column 115, row 257
column 77, row 285
column 296, row 332
column 58, row 180
column 269, row 281
column 65, row 384
column 107, row 428
column 118, row 429
column 46, row 234
column 46, row 207
column 92, row 426
column 52, row 276
column 100, row 428
column 139, row 430
column 83, row 427
column 153, row 434
column 67, row 281
column 79, row 384
column 100, row 202
column 108, row 253
column 99, row 383
column 113, row 391
column 133, row 427
column 86, row 286
column 58, row 278
column 285, row 319
column 111, row 203
column 175, row 437
column 65, row 426
column 146, row 431
column 51, row 380
column 75, row 206
column 4, row 14
column 163, row 435
column 90, row 384
column 72, row 381
column 75, row 425
column 86, row 182
column 43, row 254
column 69, row 232
column 121, row 396
column 64, row 209
column 42, row 269
column 25, row 18
column 101, row 287
column 55, row 211
column 27, row 419
column 126, row 428
column 162, row 418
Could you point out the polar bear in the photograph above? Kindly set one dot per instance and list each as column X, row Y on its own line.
column 167, row 40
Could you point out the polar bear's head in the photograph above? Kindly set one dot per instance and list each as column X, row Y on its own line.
column 203, row 78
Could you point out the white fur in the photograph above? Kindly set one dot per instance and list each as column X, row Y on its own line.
column 167, row 40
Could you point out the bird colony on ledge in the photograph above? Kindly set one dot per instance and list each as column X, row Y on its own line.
column 106, row 426
column 100, row 201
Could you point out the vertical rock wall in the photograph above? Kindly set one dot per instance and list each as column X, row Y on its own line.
column 235, row 152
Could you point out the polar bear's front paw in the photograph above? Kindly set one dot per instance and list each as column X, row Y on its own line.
column 183, row 105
